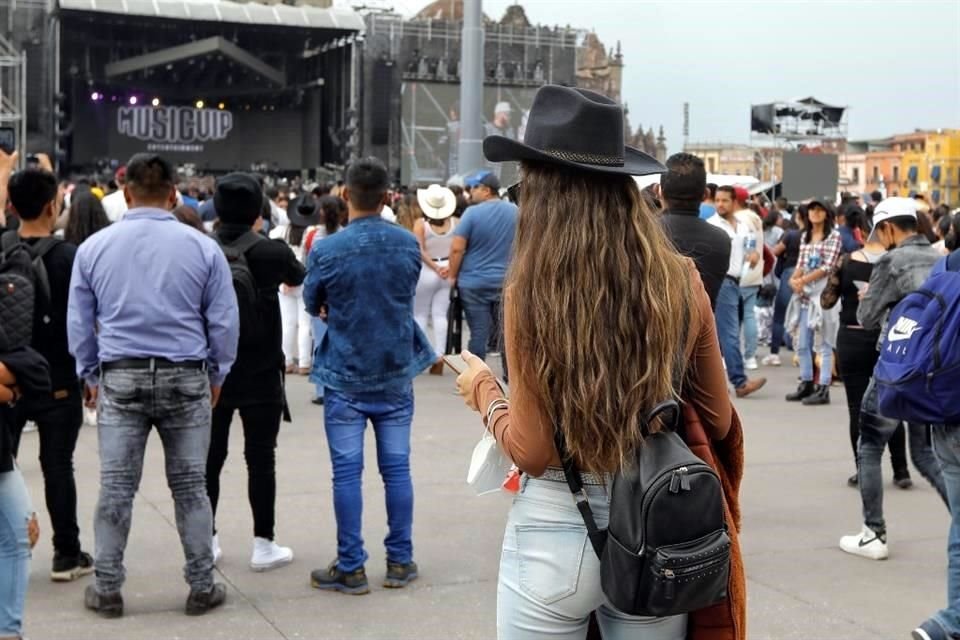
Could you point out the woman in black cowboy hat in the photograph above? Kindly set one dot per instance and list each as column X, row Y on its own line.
column 303, row 214
column 602, row 316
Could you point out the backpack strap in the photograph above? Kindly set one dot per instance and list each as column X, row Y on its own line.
column 244, row 243
column 241, row 245
column 44, row 246
column 8, row 241
column 598, row 537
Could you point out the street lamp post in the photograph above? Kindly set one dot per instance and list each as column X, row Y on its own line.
column 471, row 88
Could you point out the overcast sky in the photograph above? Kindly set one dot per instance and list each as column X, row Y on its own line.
column 895, row 63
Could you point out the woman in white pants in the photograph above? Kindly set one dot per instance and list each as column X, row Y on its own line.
column 435, row 233
column 297, row 337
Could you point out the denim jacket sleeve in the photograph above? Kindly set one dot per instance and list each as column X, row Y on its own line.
column 880, row 296
column 314, row 291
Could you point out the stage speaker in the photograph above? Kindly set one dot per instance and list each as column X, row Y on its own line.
column 380, row 103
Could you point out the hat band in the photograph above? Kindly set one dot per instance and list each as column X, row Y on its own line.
column 586, row 158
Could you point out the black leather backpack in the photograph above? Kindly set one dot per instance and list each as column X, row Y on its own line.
column 665, row 550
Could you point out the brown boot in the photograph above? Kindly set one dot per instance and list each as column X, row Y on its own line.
column 437, row 369
column 750, row 386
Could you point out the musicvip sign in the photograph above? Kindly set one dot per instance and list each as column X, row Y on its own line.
column 177, row 129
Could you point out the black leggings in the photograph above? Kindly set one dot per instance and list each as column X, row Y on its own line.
column 857, row 355
column 261, row 424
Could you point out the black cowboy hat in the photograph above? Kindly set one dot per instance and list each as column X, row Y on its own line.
column 304, row 211
column 574, row 128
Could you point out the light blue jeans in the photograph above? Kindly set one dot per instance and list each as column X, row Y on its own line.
column 805, row 347
column 946, row 444
column 748, row 298
column 550, row 575
column 15, row 512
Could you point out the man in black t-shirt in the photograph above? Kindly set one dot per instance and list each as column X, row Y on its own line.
column 35, row 197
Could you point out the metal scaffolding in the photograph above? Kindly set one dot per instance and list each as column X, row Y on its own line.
column 13, row 90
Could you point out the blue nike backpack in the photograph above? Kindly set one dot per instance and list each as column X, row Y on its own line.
column 918, row 373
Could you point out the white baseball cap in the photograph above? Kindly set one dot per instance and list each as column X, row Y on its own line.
column 893, row 208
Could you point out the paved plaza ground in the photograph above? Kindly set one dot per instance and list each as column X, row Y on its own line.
column 796, row 505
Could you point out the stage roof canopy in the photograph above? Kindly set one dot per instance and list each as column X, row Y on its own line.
column 225, row 11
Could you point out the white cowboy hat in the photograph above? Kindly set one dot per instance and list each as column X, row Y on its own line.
column 438, row 203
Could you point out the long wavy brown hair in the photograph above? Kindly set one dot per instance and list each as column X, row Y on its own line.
column 600, row 304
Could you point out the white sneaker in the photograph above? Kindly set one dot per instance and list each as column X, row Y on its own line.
column 867, row 544
column 750, row 364
column 217, row 551
column 30, row 427
column 772, row 360
column 267, row 555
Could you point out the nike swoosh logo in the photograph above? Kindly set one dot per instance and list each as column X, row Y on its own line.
column 897, row 336
column 864, row 543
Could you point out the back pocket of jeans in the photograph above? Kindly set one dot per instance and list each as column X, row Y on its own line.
column 550, row 556
column 120, row 389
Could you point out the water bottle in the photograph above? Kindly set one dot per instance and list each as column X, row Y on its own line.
column 749, row 246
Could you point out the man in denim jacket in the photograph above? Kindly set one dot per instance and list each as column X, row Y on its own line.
column 363, row 279
column 901, row 271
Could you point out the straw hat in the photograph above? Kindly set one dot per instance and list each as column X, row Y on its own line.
column 438, row 203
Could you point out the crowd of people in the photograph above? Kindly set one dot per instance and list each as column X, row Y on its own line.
column 177, row 305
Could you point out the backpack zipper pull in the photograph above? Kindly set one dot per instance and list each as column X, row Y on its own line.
column 670, row 586
column 675, row 481
column 684, row 479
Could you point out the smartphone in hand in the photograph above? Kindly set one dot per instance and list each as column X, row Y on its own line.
column 456, row 363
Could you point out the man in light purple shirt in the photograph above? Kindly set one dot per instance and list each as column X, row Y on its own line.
column 153, row 324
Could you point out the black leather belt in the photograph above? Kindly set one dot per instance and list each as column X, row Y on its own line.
column 733, row 279
column 152, row 364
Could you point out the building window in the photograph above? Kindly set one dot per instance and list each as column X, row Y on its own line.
column 711, row 166
column 896, row 174
column 936, row 148
column 856, row 175
column 876, row 174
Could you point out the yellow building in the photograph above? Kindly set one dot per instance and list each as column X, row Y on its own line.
column 931, row 165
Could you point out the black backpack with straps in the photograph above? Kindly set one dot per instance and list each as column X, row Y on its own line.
column 665, row 550
column 24, row 288
column 245, row 286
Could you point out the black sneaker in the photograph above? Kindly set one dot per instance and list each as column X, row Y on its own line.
column 854, row 480
column 69, row 568
column 108, row 605
column 318, row 401
column 400, row 575
column 333, row 579
column 200, row 602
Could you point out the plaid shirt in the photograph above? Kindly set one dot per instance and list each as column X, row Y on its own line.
column 829, row 250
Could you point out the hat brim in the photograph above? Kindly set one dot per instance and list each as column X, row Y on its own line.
column 434, row 213
column 301, row 220
column 635, row 162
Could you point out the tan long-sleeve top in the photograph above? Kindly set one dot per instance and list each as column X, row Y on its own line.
column 524, row 431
